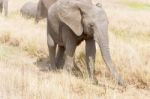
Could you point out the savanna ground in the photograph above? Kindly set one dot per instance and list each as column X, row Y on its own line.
column 23, row 57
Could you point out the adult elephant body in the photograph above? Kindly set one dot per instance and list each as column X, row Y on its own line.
column 29, row 10
column 4, row 6
column 69, row 23
column 42, row 8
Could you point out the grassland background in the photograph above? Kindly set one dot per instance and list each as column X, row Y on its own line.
column 23, row 57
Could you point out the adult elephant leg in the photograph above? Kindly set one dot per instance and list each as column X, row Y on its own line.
column 1, row 7
column 90, row 58
column 51, row 48
column 60, row 57
column 6, row 7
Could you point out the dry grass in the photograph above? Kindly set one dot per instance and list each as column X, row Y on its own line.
column 23, row 76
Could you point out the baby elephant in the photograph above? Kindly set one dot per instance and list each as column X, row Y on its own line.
column 29, row 10
column 4, row 5
column 70, row 22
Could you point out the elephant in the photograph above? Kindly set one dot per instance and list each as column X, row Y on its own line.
column 42, row 8
column 69, row 22
column 4, row 6
column 29, row 10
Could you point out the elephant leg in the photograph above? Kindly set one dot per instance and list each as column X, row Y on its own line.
column 60, row 57
column 70, row 46
column 69, row 52
column 52, row 51
column 90, row 59
column 51, row 48
column 1, row 7
column 6, row 7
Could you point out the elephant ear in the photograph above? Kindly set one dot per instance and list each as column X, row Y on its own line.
column 72, row 18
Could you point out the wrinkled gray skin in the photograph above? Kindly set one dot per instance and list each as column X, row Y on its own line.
column 4, row 6
column 69, row 23
column 29, row 10
column 42, row 8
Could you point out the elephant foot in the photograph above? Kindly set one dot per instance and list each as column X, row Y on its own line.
column 67, row 69
column 59, row 66
column 52, row 67
column 120, row 81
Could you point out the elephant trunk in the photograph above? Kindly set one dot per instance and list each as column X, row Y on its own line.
column 101, row 37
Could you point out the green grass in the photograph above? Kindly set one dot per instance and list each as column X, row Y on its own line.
column 128, row 36
column 136, row 5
